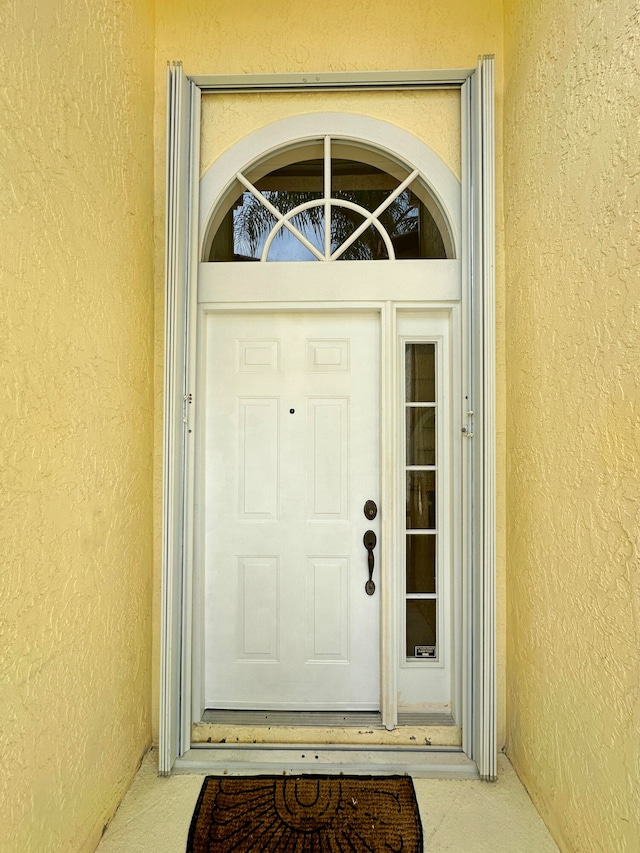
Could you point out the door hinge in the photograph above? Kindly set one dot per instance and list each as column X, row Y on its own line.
column 187, row 400
column 467, row 429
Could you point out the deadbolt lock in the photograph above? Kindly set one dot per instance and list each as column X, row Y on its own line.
column 370, row 510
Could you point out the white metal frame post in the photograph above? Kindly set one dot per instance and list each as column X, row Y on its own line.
column 176, row 277
column 183, row 136
column 483, row 322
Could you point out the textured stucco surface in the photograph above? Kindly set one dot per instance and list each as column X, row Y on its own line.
column 239, row 37
column 572, row 181
column 432, row 116
column 76, row 301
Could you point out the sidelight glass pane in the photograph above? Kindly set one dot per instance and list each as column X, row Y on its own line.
column 420, row 373
column 421, row 627
column 421, row 563
column 421, row 436
column 421, row 500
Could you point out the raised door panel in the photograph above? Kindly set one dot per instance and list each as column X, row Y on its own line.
column 258, row 458
column 328, row 609
column 327, row 458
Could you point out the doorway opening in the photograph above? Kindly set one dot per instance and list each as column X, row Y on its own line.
column 327, row 408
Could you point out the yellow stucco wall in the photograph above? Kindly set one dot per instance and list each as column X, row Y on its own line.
column 572, row 184
column 76, row 300
column 244, row 37
column 434, row 116
column 76, row 187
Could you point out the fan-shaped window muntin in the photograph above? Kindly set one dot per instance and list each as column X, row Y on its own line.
column 328, row 200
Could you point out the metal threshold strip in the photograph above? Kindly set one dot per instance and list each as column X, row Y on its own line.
column 321, row 719
column 247, row 759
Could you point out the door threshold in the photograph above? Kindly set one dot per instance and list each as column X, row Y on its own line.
column 360, row 736
column 320, row 719
column 249, row 759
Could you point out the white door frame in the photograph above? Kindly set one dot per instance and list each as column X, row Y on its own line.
column 478, row 254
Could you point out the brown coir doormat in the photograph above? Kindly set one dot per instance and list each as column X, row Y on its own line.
column 306, row 814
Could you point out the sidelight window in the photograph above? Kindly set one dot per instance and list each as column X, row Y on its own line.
column 420, row 414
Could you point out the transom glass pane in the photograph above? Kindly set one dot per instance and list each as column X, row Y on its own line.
column 287, row 247
column 359, row 189
column 370, row 246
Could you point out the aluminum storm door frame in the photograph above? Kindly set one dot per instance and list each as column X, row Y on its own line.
column 478, row 258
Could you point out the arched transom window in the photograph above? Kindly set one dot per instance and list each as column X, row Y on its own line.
column 328, row 199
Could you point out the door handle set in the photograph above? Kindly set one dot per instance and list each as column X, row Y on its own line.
column 369, row 540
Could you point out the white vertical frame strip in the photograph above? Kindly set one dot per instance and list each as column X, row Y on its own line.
column 191, row 651
column 484, row 344
column 388, row 519
column 327, row 197
column 176, row 260
column 468, row 446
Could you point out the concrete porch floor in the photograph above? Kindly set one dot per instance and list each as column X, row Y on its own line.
column 469, row 816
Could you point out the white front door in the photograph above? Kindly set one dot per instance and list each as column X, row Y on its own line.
column 290, row 455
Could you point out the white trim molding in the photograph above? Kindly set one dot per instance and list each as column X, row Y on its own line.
column 185, row 216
